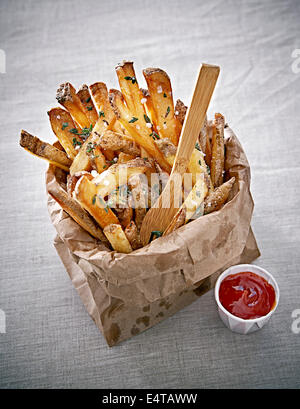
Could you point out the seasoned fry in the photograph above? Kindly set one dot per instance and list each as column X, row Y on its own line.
column 88, row 104
column 167, row 148
column 119, row 142
column 117, row 238
column 218, row 197
column 133, row 236
column 94, row 152
column 67, row 97
column 66, row 130
column 125, row 215
column 217, row 158
column 180, row 111
column 44, row 150
column 124, row 157
column 160, row 90
column 106, row 115
column 118, row 175
column 191, row 206
column 73, row 179
column 139, row 131
column 74, row 209
column 90, row 156
column 198, row 165
column 130, row 88
column 139, row 190
column 147, row 102
column 202, row 136
column 107, row 119
column 86, row 194
column 210, row 131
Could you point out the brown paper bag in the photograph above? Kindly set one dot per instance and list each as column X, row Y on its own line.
column 128, row 293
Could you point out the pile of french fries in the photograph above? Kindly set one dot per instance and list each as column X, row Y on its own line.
column 117, row 149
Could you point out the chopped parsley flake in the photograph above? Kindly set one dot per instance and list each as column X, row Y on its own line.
column 89, row 108
column 90, row 147
column 132, row 79
column 64, row 125
column 168, row 111
column 74, row 131
column 75, row 142
column 101, row 113
column 134, row 119
column 88, row 100
column 155, row 234
column 147, row 119
column 154, row 135
column 165, row 95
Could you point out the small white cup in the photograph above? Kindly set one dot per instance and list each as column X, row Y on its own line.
column 240, row 325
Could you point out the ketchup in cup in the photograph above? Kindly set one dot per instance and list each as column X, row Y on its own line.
column 247, row 295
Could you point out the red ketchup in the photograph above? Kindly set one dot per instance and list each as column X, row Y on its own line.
column 247, row 295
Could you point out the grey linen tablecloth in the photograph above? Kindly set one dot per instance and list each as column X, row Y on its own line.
column 49, row 340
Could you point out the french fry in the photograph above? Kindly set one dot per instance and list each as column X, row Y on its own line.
column 139, row 191
column 124, row 157
column 44, row 150
column 67, row 97
column 86, row 194
column 203, row 135
column 118, row 175
column 90, row 155
column 216, row 198
column 217, row 158
column 139, row 131
column 107, row 119
column 147, row 102
column 191, row 206
column 180, row 111
column 198, row 165
column 105, row 112
column 88, row 104
column 130, row 88
column 210, row 130
column 73, row 179
column 74, row 209
column 117, row 238
column 66, row 131
column 94, row 152
column 167, row 148
column 125, row 215
column 132, row 234
column 119, row 142
column 160, row 90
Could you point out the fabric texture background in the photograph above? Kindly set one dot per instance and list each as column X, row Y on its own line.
column 50, row 341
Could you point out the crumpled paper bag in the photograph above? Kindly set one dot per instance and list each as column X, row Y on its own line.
column 129, row 293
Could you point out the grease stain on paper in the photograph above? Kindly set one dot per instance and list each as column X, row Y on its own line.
column 143, row 320
column 135, row 330
column 113, row 334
